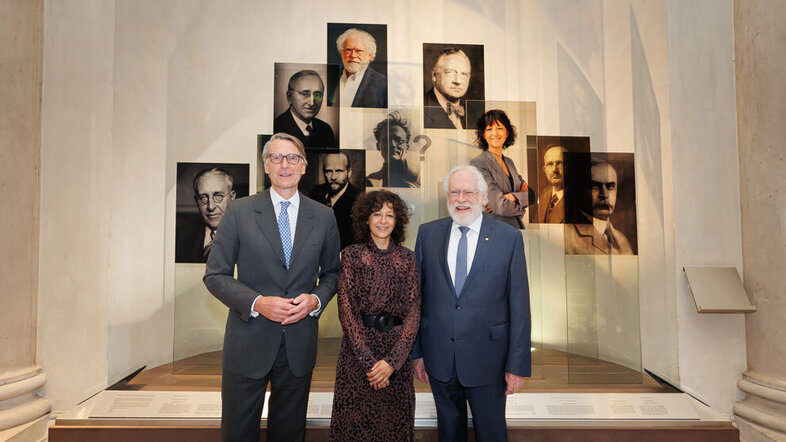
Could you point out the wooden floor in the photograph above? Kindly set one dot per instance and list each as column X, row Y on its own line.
column 552, row 371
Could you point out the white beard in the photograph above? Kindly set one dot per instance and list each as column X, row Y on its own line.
column 465, row 218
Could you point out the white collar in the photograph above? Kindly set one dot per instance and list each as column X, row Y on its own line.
column 276, row 198
column 474, row 226
column 300, row 123
column 358, row 75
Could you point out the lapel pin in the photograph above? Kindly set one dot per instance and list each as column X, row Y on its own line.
column 487, row 238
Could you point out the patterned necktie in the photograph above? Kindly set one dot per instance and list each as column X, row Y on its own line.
column 461, row 260
column 283, row 229
column 309, row 130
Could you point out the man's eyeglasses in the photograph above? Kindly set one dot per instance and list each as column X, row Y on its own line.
column 350, row 51
column 216, row 197
column 455, row 194
column 292, row 158
column 308, row 94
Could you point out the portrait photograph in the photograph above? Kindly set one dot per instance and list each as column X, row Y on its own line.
column 600, row 204
column 204, row 191
column 452, row 74
column 392, row 155
column 299, row 106
column 357, row 65
column 336, row 179
column 547, row 175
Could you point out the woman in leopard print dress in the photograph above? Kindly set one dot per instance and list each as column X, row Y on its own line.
column 379, row 309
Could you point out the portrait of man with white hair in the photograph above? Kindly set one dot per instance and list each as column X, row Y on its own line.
column 358, row 84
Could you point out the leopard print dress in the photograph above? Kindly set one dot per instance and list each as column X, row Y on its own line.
column 374, row 281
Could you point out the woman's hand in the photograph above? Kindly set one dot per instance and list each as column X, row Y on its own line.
column 379, row 374
column 510, row 197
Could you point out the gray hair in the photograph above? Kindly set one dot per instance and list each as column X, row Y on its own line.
column 483, row 187
column 287, row 137
column 371, row 44
column 213, row 171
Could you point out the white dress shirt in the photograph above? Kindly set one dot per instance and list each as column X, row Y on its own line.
column 472, row 244
column 292, row 211
column 348, row 86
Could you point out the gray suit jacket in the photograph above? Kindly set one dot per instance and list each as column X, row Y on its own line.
column 509, row 212
column 249, row 238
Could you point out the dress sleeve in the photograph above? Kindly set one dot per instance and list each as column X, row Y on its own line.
column 348, row 314
column 400, row 351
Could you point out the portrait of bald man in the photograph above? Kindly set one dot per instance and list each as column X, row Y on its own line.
column 305, row 93
column 337, row 190
column 204, row 192
column 452, row 75
column 359, row 53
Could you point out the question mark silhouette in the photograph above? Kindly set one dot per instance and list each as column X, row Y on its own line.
column 425, row 146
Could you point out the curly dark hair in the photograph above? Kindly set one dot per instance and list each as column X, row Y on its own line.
column 489, row 118
column 371, row 202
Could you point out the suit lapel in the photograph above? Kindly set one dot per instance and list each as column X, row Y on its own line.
column 443, row 253
column 485, row 238
column 498, row 174
column 305, row 225
column 361, row 92
column 267, row 223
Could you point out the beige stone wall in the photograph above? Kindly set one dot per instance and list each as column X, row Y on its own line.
column 21, row 31
column 22, row 410
column 760, row 48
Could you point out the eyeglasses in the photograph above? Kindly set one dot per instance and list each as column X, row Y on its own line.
column 456, row 194
column 350, row 51
column 308, row 94
column 292, row 158
column 216, row 197
column 455, row 73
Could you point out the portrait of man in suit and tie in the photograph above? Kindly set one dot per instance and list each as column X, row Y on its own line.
column 550, row 170
column 284, row 249
column 356, row 83
column 337, row 190
column 603, row 218
column 305, row 92
column 204, row 192
column 474, row 339
column 452, row 75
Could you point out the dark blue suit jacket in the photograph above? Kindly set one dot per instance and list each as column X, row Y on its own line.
column 487, row 328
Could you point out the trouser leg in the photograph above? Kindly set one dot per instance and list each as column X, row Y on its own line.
column 286, row 421
column 451, row 402
column 242, row 399
column 487, row 403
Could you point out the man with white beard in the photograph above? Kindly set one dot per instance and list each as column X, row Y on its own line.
column 474, row 339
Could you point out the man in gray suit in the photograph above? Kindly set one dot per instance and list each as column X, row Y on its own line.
column 282, row 243
column 474, row 339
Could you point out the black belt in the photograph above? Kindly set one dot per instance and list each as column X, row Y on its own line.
column 383, row 321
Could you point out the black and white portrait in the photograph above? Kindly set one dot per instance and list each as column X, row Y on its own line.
column 452, row 74
column 392, row 161
column 299, row 93
column 550, row 173
column 357, row 56
column 600, row 204
column 336, row 179
column 204, row 191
